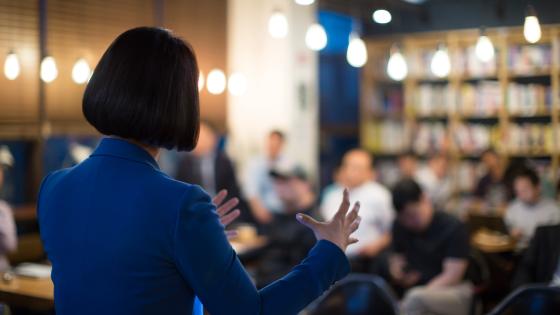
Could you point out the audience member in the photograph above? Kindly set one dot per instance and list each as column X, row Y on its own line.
column 211, row 168
column 529, row 209
column 8, row 235
column 408, row 165
column 491, row 191
column 541, row 261
column 259, row 184
column 430, row 255
column 376, row 210
column 435, row 181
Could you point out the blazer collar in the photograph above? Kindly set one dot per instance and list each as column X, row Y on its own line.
column 126, row 150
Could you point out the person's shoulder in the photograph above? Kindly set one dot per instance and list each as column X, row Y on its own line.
column 550, row 204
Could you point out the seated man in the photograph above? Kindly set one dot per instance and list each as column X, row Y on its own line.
column 541, row 262
column 529, row 209
column 430, row 255
column 356, row 174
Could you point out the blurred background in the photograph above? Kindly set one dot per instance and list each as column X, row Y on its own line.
column 459, row 94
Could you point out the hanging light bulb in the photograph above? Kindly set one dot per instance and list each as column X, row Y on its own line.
column 316, row 37
column 49, row 72
column 216, row 81
column 237, row 84
column 381, row 16
column 484, row 48
column 304, row 2
column 278, row 25
column 397, row 68
column 200, row 81
column 356, row 55
column 441, row 65
column 11, row 66
column 81, row 71
column 532, row 28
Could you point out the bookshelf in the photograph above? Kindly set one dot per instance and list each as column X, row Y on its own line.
column 511, row 104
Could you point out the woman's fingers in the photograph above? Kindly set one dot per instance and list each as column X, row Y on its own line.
column 307, row 221
column 227, row 207
column 230, row 217
column 355, row 224
column 344, row 205
column 352, row 215
column 220, row 197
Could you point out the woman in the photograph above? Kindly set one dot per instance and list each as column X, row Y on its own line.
column 124, row 238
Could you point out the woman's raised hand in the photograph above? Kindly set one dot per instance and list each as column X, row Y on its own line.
column 339, row 229
column 224, row 210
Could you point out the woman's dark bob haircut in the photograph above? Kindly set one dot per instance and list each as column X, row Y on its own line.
column 145, row 88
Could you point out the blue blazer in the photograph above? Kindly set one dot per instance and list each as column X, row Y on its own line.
column 124, row 238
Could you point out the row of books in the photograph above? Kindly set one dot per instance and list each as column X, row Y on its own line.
column 530, row 138
column 522, row 60
column 529, row 59
column 473, row 139
column 386, row 136
column 386, row 101
column 528, row 99
column 483, row 99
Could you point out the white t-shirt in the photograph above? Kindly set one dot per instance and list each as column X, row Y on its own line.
column 527, row 217
column 376, row 211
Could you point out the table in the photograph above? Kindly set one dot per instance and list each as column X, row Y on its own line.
column 29, row 293
column 248, row 247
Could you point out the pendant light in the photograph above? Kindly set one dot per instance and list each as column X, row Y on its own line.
column 441, row 65
column 484, row 48
column 532, row 27
column 356, row 55
column 11, row 66
column 397, row 69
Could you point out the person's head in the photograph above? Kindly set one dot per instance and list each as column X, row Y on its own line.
column 6, row 161
column 207, row 139
column 356, row 168
column 275, row 143
column 145, row 89
column 490, row 159
column 407, row 164
column 439, row 163
column 526, row 185
column 413, row 207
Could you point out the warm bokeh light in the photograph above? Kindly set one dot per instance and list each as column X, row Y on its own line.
column 216, row 81
column 356, row 55
column 200, row 81
column 441, row 65
column 278, row 25
column 382, row 16
column 305, row 2
column 81, row 72
column 11, row 66
column 532, row 29
column 397, row 68
column 316, row 37
column 484, row 49
column 49, row 71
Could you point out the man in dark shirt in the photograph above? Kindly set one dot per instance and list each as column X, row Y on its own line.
column 430, row 255
column 491, row 192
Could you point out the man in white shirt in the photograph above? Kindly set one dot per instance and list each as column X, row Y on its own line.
column 356, row 174
column 259, row 186
column 529, row 210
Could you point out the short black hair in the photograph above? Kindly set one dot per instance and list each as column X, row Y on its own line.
column 145, row 88
column 530, row 174
column 405, row 191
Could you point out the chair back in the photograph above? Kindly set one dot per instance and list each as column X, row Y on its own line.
column 530, row 300
column 357, row 294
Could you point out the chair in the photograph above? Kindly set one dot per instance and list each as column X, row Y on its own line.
column 530, row 300
column 478, row 273
column 357, row 294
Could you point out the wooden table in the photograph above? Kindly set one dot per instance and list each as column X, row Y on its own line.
column 29, row 293
column 244, row 248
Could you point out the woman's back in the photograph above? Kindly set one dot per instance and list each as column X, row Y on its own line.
column 108, row 228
